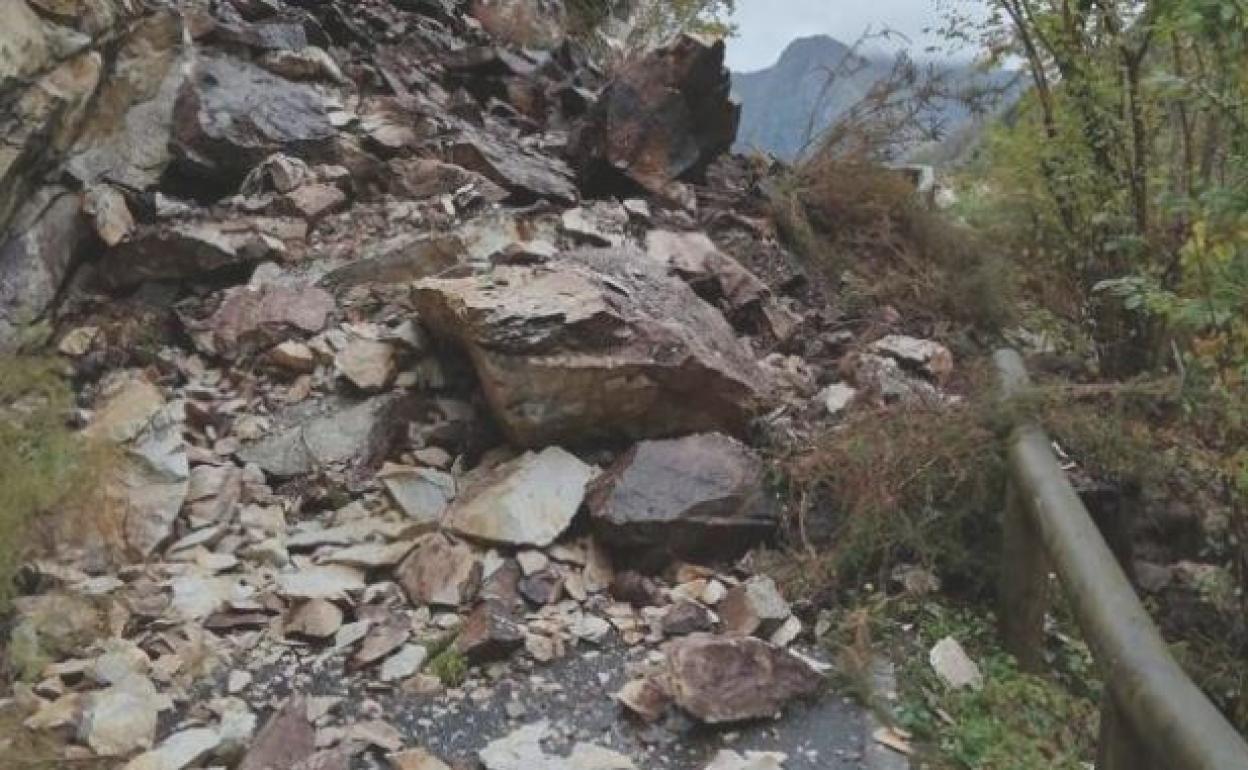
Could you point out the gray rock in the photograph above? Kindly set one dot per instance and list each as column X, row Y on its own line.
column 231, row 115
column 36, row 260
column 507, row 163
column 356, row 435
column 528, row 501
column 697, row 497
column 423, row 494
column 754, row 608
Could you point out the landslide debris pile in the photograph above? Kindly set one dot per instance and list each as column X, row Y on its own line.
column 427, row 359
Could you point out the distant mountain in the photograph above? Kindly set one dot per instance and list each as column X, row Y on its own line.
column 777, row 102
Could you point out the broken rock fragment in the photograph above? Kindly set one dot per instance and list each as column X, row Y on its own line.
column 489, row 633
column 440, row 571
column 596, row 344
column 528, row 501
column 697, row 497
column 357, row 435
column 285, row 740
column 721, row 679
column 754, row 608
column 248, row 319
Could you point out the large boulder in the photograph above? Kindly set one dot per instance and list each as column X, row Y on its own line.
column 699, row 497
column 595, row 344
column 231, row 115
column 726, row 679
column 664, row 117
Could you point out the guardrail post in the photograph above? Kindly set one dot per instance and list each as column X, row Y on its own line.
column 1024, row 595
column 1119, row 747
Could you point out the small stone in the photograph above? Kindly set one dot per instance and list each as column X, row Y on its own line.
column 423, row 494
column 754, row 608
column 787, row 633
column 434, row 457
column 489, row 633
column 404, row 663
column 750, row 760
column 954, row 666
column 686, row 618
column 415, row 759
column 78, row 342
column 644, row 698
column 835, row 398
column 316, row 619
column 237, row 682
column 532, row 561
column 370, row 365
column 294, row 357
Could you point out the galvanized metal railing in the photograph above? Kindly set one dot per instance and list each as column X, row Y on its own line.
column 1152, row 716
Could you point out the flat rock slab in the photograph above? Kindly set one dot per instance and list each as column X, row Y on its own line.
column 528, row 501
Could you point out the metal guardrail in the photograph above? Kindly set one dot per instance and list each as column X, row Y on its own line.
column 1152, row 716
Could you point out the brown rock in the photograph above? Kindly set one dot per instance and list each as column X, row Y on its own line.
column 596, row 344
column 489, row 633
column 187, row 248
column 665, row 116
column 754, row 608
column 721, row 680
column 381, row 640
column 416, row 759
column 525, row 23
column 636, row 589
column 285, row 740
column 645, row 698
column 420, row 178
column 370, row 365
column 698, row 497
column 108, row 210
column 442, row 571
column 686, row 618
column 316, row 619
column 250, row 319
column 315, row 201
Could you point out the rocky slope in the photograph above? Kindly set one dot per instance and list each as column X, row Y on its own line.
column 428, row 361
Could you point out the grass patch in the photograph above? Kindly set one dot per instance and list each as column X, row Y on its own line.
column 909, row 485
column 1018, row 721
column 41, row 459
column 450, row 667
column 858, row 226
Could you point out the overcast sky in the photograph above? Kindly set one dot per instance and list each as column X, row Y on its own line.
column 765, row 27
